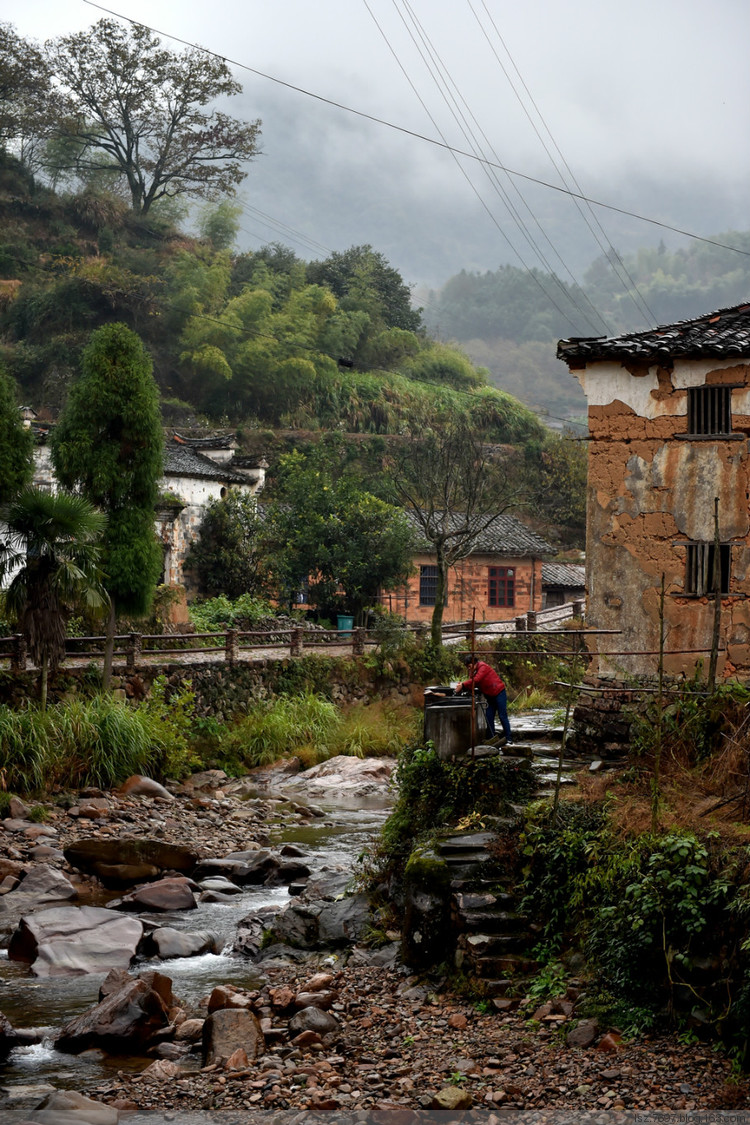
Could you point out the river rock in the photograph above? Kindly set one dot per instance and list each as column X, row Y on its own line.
column 8, row 1038
column 227, row 996
column 346, row 777
column 92, row 852
column 177, row 943
column 453, row 1098
column 162, row 897
column 314, row 1019
column 67, row 1107
column 125, row 1020
column 73, row 940
column 248, row 868
column 583, row 1034
column 220, row 884
column 229, row 1029
column 40, row 886
column 17, row 809
column 139, row 786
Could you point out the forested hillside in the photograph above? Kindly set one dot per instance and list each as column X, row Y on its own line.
column 509, row 320
column 262, row 338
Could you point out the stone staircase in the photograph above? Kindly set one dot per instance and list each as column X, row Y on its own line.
column 492, row 939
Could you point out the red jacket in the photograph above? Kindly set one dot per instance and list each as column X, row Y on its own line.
column 486, row 679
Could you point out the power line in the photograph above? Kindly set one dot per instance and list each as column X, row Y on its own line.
column 422, row 137
column 609, row 252
column 468, row 129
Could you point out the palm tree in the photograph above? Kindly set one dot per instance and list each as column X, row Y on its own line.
column 50, row 553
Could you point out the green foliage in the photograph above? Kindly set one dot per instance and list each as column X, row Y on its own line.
column 51, row 555
column 109, row 444
column 642, row 906
column 692, row 723
column 433, row 794
column 362, row 279
column 216, row 615
column 16, row 443
column 227, row 557
column 169, row 715
column 281, row 727
column 550, row 980
column 325, row 527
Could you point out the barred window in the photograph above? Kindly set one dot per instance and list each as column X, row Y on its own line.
column 501, row 586
column 699, row 571
column 709, row 410
column 428, row 579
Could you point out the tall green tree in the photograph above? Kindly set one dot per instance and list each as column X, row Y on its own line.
column 227, row 557
column 139, row 109
column 109, row 445
column 50, row 552
column 28, row 103
column 326, row 529
column 16, row 443
column 363, row 279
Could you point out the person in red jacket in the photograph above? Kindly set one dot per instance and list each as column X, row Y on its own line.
column 485, row 678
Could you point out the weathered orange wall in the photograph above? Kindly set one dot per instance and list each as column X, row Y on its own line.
column 468, row 590
column 649, row 491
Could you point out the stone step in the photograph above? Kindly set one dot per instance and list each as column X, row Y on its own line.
column 493, row 921
column 457, row 859
column 494, row 945
column 481, row 900
column 487, row 968
column 474, row 841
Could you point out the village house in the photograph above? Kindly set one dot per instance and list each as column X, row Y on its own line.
column 501, row 579
column 669, row 422
column 197, row 472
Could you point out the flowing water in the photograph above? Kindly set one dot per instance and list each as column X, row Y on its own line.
column 334, row 841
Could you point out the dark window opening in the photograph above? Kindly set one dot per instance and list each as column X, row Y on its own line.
column 428, row 580
column 709, row 410
column 699, row 576
column 501, row 586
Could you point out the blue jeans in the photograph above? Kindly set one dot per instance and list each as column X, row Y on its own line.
column 498, row 705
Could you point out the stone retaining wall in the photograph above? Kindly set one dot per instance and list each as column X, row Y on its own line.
column 222, row 690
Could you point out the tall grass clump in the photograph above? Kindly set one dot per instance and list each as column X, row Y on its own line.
column 304, row 725
column 101, row 741
column 376, row 730
column 25, row 750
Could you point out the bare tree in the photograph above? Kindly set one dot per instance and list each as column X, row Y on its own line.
column 137, row 109
column 454, row 486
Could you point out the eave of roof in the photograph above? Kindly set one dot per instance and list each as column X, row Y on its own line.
column 724, row 334
column 182, row 461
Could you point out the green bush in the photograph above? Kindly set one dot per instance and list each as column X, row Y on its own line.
column 433, row 793
column 641, row 907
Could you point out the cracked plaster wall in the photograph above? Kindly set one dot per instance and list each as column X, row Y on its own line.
column 649, row 491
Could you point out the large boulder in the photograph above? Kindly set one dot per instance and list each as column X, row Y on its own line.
column 167, row 942
column 243, row 868
column 322, row 925
column 109, row 859
column 73, row 940
column 162, row 897
column 67, row 1107
column 125, row 1020
column 345, row 779
column 41, row 886
column 229, row 1029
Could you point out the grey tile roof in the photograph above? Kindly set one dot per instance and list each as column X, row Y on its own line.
column 569, row 575
column 718, row 335
column 182, row 461
column 506, row 535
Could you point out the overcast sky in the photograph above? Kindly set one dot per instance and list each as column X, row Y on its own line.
column 648, row 102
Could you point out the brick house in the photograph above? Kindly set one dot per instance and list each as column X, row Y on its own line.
column 669, row 421
column 501, row 578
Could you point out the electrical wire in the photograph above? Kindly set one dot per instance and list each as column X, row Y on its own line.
column 470, row 128
column 611, row 255
column 422, row 137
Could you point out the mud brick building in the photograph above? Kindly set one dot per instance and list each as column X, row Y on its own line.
column 501, row 579
column 669, row 421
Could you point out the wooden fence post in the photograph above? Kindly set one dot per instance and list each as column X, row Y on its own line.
column 134, row 650
column 358, row 642
column 232, row 646
column 18, row 655
column 531, row 622
column 296, row 642
column 520, row 624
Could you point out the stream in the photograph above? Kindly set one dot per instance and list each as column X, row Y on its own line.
column 45, row 1005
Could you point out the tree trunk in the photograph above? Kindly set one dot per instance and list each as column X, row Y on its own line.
column 43, row 676
column 109, row 648
column 436, row 628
